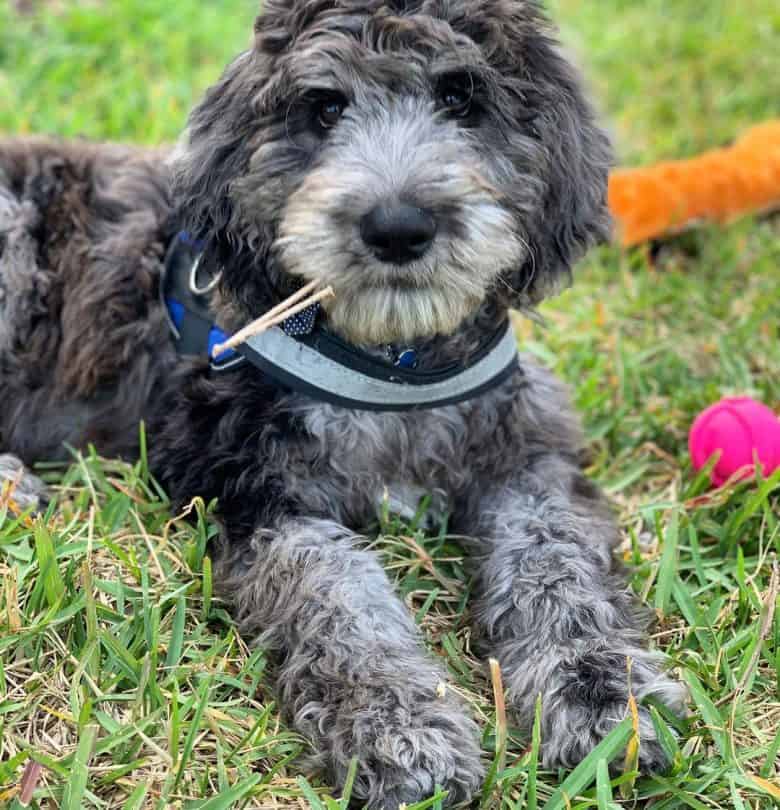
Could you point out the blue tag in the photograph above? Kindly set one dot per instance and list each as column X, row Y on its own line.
column 407, row 359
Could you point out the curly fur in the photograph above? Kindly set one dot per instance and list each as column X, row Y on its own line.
column 518, row 192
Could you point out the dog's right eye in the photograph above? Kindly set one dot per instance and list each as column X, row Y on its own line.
column 328, row 110
column 456, row 96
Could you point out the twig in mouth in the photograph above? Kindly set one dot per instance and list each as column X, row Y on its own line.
column 281, row 312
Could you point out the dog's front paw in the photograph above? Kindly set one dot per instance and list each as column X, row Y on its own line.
column 406, row 751
column 592, row 697
column 19, row 485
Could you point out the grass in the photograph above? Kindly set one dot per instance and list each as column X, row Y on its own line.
column 123, row 683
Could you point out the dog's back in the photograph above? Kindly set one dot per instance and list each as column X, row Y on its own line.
column 82, row 235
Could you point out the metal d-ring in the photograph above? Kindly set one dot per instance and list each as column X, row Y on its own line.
column 194, row 279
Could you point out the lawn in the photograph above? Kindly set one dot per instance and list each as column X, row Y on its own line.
column 121, row 674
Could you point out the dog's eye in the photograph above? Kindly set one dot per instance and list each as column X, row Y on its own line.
column 329, row 110
column 456, row 96
column 455, row 99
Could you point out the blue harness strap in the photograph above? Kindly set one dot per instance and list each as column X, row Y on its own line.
column 187, row 304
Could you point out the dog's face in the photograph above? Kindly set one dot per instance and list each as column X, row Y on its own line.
column 421, row 156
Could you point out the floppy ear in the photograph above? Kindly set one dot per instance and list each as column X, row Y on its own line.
column 577, row 156
column 214, row 149
column 212, row 160
column 217, row 146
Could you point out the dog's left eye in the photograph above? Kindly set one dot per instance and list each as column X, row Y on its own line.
column 456, row 96
column 329, row 110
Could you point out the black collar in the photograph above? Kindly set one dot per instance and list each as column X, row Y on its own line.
column 320, row 364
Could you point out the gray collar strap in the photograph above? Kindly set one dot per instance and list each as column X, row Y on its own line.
column 328, row 369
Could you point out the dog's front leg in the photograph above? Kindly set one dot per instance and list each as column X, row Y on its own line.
column 353, row 677
column 559, row 617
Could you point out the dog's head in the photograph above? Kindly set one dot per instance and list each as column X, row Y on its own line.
column 422, row 156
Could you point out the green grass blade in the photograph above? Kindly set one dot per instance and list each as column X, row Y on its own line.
column 349, row 783
column 189, row 742
column 533, row 763
column 430, row 804
column 585, row 773
column 53, row 585
column 772, row 757
column 175, row 722
column 665, row 737
column 228, row 798
column 603, row 785
column 176, row 644
column 667, row 570
column 208, row 587
column 136, row 798
column 315, row 803
column 77, row 783
column 715, row 722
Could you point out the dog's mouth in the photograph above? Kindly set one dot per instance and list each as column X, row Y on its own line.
column 400, row 309
column 412, row 276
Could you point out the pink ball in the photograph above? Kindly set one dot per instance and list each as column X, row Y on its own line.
column 740, row 427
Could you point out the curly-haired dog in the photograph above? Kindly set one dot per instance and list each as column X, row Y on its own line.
column 437, row 163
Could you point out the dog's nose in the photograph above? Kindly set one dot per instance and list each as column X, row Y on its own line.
column 397, row 232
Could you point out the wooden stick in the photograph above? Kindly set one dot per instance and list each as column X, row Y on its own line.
column 288, row 302
column 272, row 313
column 274, row 317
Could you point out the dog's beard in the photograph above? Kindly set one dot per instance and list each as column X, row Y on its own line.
column 375, row 315
column 383, row 303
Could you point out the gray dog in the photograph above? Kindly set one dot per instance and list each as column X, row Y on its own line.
column 436, row 162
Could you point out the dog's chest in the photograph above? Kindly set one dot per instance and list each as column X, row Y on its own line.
column 359, row 461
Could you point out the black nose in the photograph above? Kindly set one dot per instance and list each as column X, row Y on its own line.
column 397, row 232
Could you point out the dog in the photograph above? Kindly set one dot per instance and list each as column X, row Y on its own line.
column 437, row 163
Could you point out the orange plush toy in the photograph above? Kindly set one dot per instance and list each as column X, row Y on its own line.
column 719, row 186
